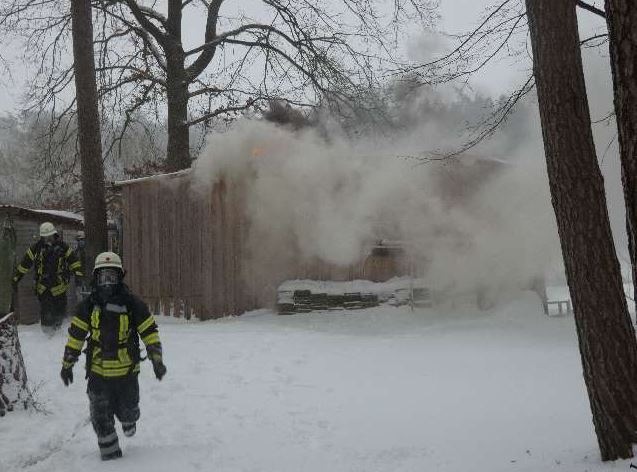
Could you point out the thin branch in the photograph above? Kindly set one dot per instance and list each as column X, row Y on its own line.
column 222, row 111
column 469, row 37
column 606, row 118
column 585, row 42
column 139, row 31
column 487, row 128
column 141, row 74
column 204, row 90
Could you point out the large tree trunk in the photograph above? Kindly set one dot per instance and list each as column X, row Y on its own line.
column 606, row 336
column 621, row 16
column 90, row 140
column 13, row 375
column 178, row 149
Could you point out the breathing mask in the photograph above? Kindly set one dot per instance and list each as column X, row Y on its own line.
column 107, row 280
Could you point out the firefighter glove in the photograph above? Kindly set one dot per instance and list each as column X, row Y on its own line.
column 159, row 368
column 67, row 375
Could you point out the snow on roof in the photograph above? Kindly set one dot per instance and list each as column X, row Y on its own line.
column 40, row 214
column 121, row 183
column 62, row 213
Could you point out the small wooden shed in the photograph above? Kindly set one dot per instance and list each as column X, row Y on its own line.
column 187, row 249
column 26, row 223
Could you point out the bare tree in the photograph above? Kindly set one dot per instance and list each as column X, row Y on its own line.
column 305, row 53
column 622, row 27
column 606, row 337
column 90, row 140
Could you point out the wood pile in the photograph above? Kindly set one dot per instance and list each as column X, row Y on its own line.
column 304, row 301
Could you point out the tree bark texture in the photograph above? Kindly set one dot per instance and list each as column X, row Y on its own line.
column 621, row 16
column 606, row 337
column 178, row 149
column 13, row 375
column 90, row 140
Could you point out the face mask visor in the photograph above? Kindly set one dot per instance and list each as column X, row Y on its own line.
column 107, row 281
column 107, row 277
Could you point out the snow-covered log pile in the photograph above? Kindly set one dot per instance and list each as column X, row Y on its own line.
column 304, row 296
column 13, row 376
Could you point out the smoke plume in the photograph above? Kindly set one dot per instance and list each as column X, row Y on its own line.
column 478, row 220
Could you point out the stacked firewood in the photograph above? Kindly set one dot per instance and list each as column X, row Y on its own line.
column 304, row 301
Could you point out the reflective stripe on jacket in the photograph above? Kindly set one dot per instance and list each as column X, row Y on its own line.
column 121, row 321
column 65, row 262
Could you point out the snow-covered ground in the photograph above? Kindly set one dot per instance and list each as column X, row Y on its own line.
column 383, row 389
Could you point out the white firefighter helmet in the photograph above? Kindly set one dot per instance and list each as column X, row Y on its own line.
column 108, row 259
column 47, row 229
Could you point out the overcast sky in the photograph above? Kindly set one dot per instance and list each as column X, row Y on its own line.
column 462, row 15
column 456, row 16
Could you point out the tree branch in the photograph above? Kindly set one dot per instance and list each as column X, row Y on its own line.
column 221, row 38
column 469, row 37
column 197, row 67
column 486, row 127
column 263, row 45
column 155, row 15
column 139, row 31
column 585, row 42
column 222, row 111
column 591, row 8
column 145, row 23
column 141, row 74
column 204, row 90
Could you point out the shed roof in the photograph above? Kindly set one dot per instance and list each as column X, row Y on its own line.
column 179, row 173
column 55, row 216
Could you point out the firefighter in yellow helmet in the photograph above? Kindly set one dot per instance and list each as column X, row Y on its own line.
column 113, row 319
column 53, row 262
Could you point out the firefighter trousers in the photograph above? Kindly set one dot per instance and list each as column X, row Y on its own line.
column 110, row 399
column 52, row 311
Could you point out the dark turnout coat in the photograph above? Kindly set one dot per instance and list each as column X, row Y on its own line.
column 53, row 266
column 112, row 330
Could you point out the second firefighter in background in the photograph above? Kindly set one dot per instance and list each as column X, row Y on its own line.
column 112, row 320
column 53, row 262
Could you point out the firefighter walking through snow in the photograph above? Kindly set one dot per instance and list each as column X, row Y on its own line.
column 53, row 261
column 113, row 319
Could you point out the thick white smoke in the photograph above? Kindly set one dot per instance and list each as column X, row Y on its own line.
column 474, row 221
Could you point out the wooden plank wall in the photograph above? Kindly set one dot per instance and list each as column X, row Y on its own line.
column 188, row 250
